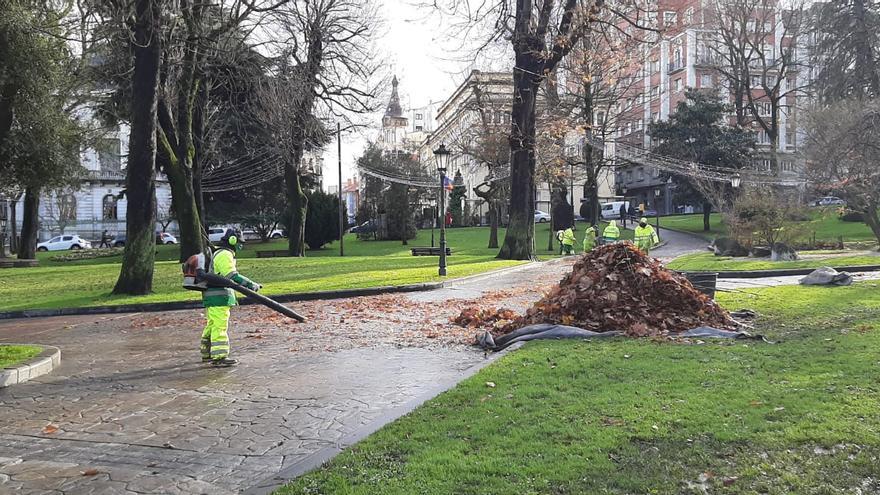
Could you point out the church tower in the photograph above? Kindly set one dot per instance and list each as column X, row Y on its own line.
column 394, row 124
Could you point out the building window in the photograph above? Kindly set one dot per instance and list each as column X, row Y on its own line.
column 600, row 119
column 418, row 116
column 641, row 176
column 655, row 117
column 763, row 137
column 706, row 81
column 109, row 152
column 641, row 124
column 762, row 165
column 669, row 18
column 678, row 85
column 689, row 15
column 756, row 81
column 787, row 166
column 629, row 175
column 109, row 208
column 419, row 128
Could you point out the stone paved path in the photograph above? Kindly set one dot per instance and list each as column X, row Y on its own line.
column 132, row 410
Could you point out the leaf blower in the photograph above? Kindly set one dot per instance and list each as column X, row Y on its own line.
column 197, row 276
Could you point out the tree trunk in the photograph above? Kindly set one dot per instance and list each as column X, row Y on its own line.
column 136, row 274
column 30, row 224
column 873, row 221
column 493, row 224
column 184, row 201
column 707, row 210
column 519, row 240
column 298, row 204
column 199, row 112
column 403, row 236
column 13, row 222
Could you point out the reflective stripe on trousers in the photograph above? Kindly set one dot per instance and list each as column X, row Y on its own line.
column 215, row 337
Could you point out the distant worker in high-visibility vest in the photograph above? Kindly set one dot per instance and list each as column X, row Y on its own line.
column 218, row 301
column 590, row 236
column 611, row 232
column 568, row 240
column 645, row 236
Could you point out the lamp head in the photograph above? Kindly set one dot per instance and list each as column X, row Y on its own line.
column 441, row 155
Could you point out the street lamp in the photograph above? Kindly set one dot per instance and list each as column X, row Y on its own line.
column 735, row 180
column 441, row 155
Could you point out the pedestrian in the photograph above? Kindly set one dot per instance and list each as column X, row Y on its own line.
column 105, row 239
column 218, row 301
column 568, row 240
column 611, row 232
column 449, row 219
column 645, row 236
column 623, row 214
column 632, row 211
column 590, row 238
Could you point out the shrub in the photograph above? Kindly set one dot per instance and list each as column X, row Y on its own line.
column 88, row 254
column 322, row 219
column 847, row 215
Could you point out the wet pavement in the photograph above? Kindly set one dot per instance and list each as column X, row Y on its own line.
column 132, row 409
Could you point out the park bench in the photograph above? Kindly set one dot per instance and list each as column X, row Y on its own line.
column 429, row 251
column 276, row 253
column 17, row 263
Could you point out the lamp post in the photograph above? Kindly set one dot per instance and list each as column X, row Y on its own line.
column 441, row 155
column 433, row 218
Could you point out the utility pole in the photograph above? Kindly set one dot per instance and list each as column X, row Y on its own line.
column 341, row 206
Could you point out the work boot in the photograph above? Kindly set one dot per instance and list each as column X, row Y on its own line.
column 206, row 359
column 224, row 362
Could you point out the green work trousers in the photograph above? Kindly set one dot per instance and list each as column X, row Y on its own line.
column 215, row 339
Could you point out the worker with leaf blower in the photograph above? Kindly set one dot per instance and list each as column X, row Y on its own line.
column 216, row 277
column 218, row 300
column 645, row 236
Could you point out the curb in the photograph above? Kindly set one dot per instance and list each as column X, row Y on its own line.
column 321, row 457
column 44, row 363
column 171, row 306
column 784, row 273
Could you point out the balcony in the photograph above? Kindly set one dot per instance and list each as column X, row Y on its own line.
column 676, row 66
column 107, row 175
column 707, row 60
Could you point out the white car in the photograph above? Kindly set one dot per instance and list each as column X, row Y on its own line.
column 64, row 242
column 829, row 201
column 165, row 238
column 215, row 234
column 541, row 217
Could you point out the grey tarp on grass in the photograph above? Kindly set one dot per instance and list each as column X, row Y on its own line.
column 552, row 331
column 827, row 276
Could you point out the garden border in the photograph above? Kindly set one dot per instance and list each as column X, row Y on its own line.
column 783, row 272
column 42, row 364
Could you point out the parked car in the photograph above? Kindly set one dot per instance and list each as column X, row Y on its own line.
column 828, row 201
column 541, row 217
column 365, row 228
column 165, row 238
column 253, row 235
column 118, row 241
column 215, row 234
column 64, row 242
column 611, row 211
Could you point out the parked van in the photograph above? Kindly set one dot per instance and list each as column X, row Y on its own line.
column 611, row 211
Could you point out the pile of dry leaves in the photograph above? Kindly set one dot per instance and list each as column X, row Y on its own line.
column 614, row 287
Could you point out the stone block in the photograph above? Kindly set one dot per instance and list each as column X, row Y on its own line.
column 8, row 377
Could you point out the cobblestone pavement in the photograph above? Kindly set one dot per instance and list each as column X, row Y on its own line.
column 133, row 410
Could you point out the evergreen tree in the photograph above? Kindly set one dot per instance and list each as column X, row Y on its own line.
column 697, row 132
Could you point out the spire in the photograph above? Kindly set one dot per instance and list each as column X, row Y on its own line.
column 394, row 109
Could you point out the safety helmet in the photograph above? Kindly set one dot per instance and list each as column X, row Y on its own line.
column 232, row 240
column 643, row 221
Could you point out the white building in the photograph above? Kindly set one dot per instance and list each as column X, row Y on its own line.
column 96, row 204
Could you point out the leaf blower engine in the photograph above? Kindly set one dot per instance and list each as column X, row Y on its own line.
column 197, row 275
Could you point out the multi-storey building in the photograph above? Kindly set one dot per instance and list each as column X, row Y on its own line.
column 689, row 53
column 474, row 123
column 97, row 203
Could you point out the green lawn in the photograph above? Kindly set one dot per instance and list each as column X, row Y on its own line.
column 366, row 264
column 824, row 223
column 708, row 262
column 11, row 355
column 644, row 417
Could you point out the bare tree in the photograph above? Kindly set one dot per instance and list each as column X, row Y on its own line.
column 758, row 48
column 843, row 149
column 327, row 68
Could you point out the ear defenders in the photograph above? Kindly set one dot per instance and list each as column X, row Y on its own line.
column 233, row 240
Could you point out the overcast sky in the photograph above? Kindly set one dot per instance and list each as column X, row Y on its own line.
column 412, row 43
